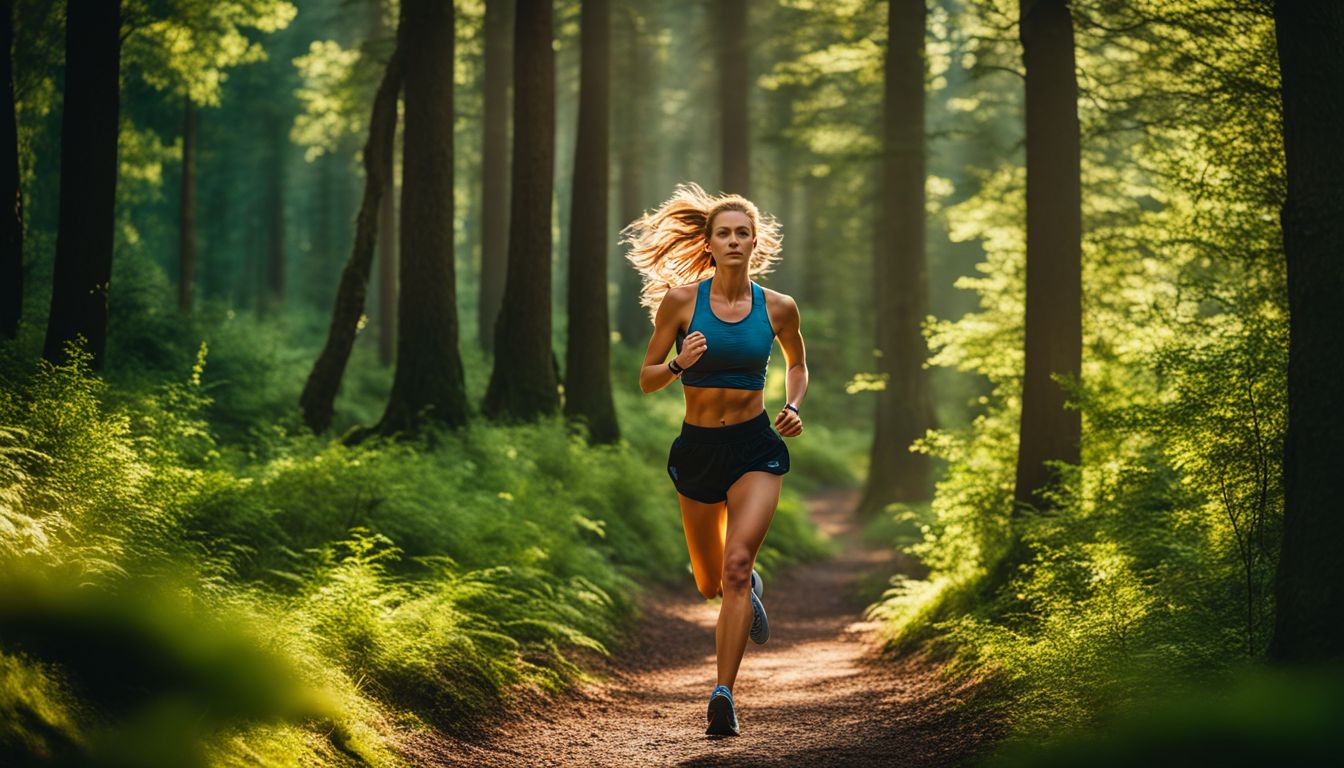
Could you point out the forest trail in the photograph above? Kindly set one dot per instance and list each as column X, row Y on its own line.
column 817, row 693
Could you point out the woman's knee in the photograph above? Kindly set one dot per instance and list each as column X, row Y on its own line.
column 737, row 569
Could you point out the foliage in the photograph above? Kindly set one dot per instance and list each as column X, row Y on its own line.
column 1155, row 567
column 391, row 583
column 186, row 46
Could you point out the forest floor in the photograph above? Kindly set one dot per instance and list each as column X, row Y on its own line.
column 820, row 692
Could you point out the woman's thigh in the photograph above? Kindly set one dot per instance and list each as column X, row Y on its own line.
column 751, row 507
column 706, row 528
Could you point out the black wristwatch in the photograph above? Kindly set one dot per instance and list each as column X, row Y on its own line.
column 676, row 369
column 793, row 408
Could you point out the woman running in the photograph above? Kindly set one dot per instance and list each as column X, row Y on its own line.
column 697, row 254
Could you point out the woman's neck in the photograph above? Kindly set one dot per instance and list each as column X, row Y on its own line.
column 730, row 282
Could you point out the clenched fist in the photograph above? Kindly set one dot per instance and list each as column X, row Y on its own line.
column 692, row 347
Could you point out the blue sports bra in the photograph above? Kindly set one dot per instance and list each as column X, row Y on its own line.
column 736, row 354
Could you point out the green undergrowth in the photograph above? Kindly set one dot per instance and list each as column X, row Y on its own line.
column 272, row 598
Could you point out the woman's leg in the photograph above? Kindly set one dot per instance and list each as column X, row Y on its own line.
column 751, row 507
column 706, row 527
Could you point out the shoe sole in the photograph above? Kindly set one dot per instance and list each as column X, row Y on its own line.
column 722, row 721
column 758, row 610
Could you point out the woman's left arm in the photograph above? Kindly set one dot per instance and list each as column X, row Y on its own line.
column 790, row 336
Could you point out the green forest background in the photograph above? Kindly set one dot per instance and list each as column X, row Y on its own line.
column 190, row 559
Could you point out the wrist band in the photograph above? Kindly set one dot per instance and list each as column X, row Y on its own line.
column 793, row 408
column 676, row 369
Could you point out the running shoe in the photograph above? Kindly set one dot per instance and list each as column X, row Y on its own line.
column 756, row 585
column 760, row 625
column 722, row 715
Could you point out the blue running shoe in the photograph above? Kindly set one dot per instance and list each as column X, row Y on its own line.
column 722, row 715
column 760, row 625
column 756, row 585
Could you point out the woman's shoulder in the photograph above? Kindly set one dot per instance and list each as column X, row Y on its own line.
column 676, row 303
column 780, row 307
column 682, row 294
column 777, row 300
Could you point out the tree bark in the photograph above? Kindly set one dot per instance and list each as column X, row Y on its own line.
column 186, row 260
column 905, row 405
column 1310, row 579
column 273, row 271
column 731, row 26
column 386, row 257
column 523, row 383
column 89, row 128
column 1054, row 336
column 387, row 264
column 11, row 238
column 319, row 393
column 632, row 320
column 428, row 386
column 495, row 167
column 588, row 353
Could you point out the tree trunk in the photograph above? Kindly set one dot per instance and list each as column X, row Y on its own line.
column 319, row 393
column 323, row 222
column 273, row 271
column 731, row 26
column 1310, row 582
column 588, row 353
column 387, row 264
column 811, row 235
column 785, row 276
column 89, row 127
column 387, row 224
column 632, row 320
column 1054, row 336
column 11, row 238
column 523, row 383
column 186, row 260
column 428, row 385
column 905, row 405
column 495, row 167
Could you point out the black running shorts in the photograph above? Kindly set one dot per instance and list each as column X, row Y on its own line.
column 705, row 461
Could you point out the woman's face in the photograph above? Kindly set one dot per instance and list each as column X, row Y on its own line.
column 730, row 238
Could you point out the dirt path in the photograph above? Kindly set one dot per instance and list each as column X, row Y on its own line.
column 816, row 695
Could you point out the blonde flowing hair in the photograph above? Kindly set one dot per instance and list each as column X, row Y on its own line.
column 668, row 245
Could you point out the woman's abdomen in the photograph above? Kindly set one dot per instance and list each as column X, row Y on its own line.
column 720, row 406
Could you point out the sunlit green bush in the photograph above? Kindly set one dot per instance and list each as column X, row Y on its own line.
column 1153, row 563
column 403, row 583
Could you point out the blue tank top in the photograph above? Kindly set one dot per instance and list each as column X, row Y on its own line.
column 736, row 354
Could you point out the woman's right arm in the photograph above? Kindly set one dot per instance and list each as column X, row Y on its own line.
column 656, row 374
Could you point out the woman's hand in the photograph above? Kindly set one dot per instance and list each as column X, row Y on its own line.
column 788, row 423
column 692, row 347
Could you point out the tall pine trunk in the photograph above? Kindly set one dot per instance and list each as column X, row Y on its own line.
column 386, row 257
column 905, row 405
column 1310, row 588
column 186, row 253
column 523, row 384
column 731, row 26
column 319, row 393
column 387, row 264
column 272, row 291
column 588, row 352
column 428, row 385
column 89, row 128
column 631, row 149
column 11, row 238
column 495, row 167
column 1054, row 335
